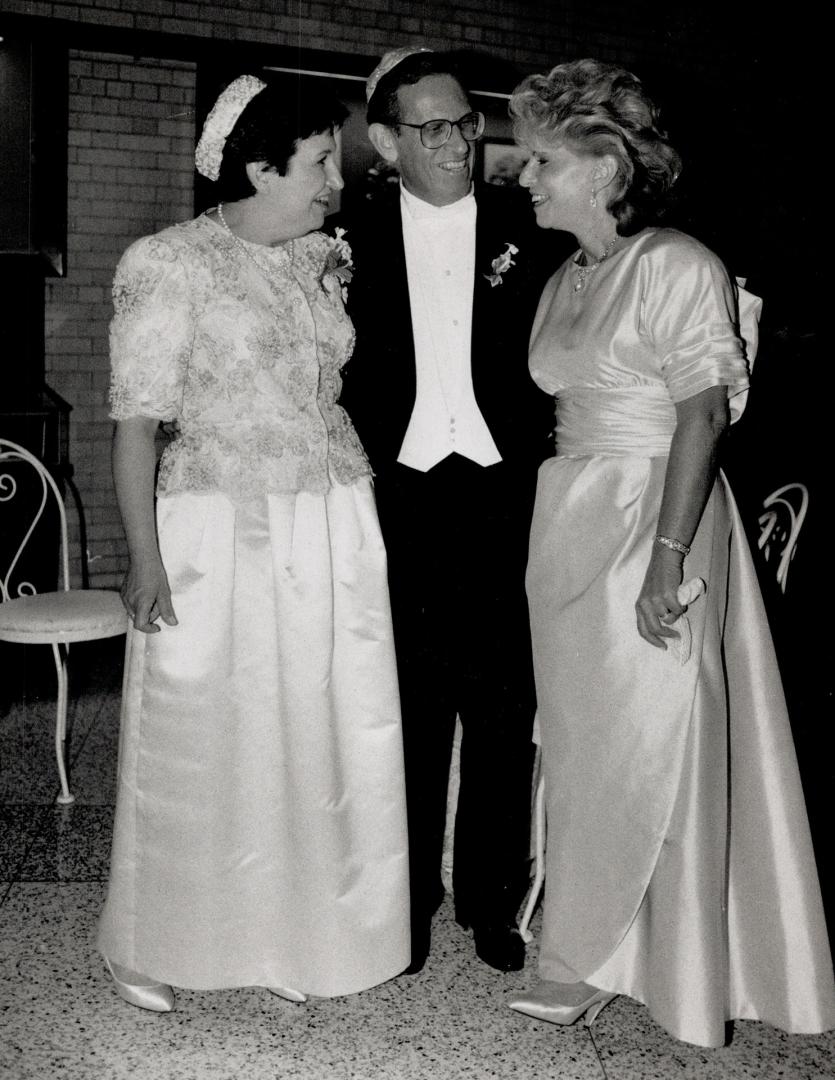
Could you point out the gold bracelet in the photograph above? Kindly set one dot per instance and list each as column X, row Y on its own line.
column 673, row 544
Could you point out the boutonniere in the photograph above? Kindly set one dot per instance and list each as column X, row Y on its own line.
column 501, row 263
column 339, row 263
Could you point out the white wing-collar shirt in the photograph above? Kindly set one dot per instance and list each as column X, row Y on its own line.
column 439, row 242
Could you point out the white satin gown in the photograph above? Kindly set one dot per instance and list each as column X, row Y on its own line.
column 679, row 866
column 260, row 833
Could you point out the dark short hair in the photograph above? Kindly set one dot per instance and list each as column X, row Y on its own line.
column 598, row 108
column 270, row 128
column 384, row 106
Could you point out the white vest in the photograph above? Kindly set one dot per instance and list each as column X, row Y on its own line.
column 440, row 263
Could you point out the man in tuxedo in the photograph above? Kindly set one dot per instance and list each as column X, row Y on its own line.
column 445, row 286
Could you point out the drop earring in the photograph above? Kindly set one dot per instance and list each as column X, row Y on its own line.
column 593, row 198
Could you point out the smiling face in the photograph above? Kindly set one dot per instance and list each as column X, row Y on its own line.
column 301, row 197
column 561, row 183
column 439, row 176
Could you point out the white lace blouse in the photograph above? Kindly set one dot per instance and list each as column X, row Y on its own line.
column 243, row 346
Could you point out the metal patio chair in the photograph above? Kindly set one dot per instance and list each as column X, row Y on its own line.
column 55, row 618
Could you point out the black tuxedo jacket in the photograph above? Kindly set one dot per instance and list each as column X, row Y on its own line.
column 379, row 381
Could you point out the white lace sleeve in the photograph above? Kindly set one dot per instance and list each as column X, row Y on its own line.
column 151, row 332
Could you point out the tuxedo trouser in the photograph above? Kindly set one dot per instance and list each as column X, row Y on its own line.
column 457, row 541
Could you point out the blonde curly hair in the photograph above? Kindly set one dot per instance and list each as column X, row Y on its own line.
column 598, row 108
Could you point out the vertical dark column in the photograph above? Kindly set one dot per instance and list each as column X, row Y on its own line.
column 21, row 329
column 34, row 94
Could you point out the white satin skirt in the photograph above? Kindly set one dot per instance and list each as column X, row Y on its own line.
column 260, row 833
column 679, row 866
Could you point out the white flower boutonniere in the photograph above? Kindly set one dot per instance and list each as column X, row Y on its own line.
column 502, row 263
column 339, row 263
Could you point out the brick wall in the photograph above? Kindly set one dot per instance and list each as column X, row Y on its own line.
column 131, row 136
column 130, row 172
column 532, row 32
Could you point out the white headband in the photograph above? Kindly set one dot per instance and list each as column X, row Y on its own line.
column 221, row 120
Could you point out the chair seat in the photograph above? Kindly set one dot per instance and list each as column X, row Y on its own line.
column 75, row 615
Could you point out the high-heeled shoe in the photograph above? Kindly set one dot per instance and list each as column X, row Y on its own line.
column 139, row 990
column 542, row 1003
column 288, row 993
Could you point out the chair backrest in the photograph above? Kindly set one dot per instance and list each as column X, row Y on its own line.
column 32, row 513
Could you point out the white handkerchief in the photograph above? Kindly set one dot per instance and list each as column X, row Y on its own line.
column 681, row 646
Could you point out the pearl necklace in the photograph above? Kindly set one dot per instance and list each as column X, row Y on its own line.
column 583, row 272
column 288, row 247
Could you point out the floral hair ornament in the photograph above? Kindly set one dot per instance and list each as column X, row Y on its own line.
column 389, row 61
column 220, row 121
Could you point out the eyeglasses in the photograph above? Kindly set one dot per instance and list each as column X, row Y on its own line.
column 434, row 133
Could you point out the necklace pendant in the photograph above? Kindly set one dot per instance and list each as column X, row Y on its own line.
column 587, row 269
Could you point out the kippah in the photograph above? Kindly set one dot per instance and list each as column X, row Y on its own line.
column 389, row 61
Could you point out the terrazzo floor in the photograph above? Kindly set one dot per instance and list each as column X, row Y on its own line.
column 60, row 1018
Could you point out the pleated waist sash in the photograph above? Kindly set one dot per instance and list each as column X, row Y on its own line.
column 638, row 420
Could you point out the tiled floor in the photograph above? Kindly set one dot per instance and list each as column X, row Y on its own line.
column 59, row 1016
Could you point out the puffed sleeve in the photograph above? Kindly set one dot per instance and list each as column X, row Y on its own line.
column 692, row 315
column 150, row 333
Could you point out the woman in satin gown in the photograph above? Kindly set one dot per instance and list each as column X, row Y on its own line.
column 260, row 833
column 679, row 866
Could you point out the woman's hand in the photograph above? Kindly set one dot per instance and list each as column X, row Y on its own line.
column 145, row 591
column 657, row 605
column 701, row 421
column 147, row 597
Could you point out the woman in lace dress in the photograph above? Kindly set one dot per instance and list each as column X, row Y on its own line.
column 260, row 834
column 679, row 867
